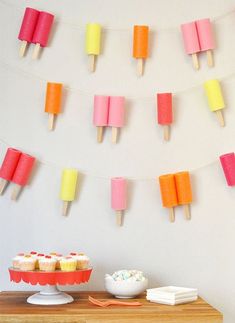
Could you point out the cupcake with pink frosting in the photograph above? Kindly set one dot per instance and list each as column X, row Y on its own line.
column 47, row 263
column 16, row 260
column 27, row 263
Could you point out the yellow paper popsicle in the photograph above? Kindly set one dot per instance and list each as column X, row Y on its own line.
column 93, row 36
column 68, row 187
column 215, row 98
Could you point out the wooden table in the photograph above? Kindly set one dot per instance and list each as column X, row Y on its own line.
column 13, row 308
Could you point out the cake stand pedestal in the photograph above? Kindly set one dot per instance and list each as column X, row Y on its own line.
column 50, row 294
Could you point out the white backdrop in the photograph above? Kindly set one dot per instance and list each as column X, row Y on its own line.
column 198, row 253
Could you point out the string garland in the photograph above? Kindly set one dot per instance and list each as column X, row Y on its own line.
column 116, row 29
column 90, row 94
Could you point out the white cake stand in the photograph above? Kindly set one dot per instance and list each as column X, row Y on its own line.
column 50, row 295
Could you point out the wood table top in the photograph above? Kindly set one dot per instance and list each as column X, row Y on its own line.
column 14, row 308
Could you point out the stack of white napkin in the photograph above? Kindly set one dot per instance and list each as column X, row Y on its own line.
column 172, row 295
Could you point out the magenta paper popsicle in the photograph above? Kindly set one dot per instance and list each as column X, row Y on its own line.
column 228, row 165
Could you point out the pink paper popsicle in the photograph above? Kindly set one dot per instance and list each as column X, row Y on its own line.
column 206, row 38
column 164, row 112
column 228, row 165
column 119, row 196
column 191, row 41
column 42, row 31
column 27, row 28
column 116, row 115
column 100, row 114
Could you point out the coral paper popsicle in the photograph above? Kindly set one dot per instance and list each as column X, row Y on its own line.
column 140, row 46
column 206, row 39
column 164, row 112
column 215, row 99
column 22, row 174
column 68, row 187
column 53, row 102
column 93, row 37
column 8, row 167
column 228, row 164
column 184, row 192
column 168, row 193
column 191, row 41
column 100, row 114
column 116, row 115
column 27, row 28
column 119, row 197
column 42, row 31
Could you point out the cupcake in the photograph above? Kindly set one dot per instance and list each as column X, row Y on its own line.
column 82, row 261
column 39, row 256
column 47, row 263
column 57, row 257
column 33, row 254
column 27, row 263
column 16, row 260
column 68, row 264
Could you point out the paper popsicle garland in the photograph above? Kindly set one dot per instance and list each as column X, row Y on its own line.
column 140, row 47
column 164, row 112
column 35, row 28
column 198, row 37
column 168, row 193
column 8, row 167
column 184, row 192
column 27, row 28
column 119, row 197
column 100, row 114
column 215, row 99
column 93, row 40
column 116, row 115
column 53, row 102
column 68, row 188
column 22, row 174
column 228, row 165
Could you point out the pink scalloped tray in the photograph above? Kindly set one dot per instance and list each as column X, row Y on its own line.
column 50, row 278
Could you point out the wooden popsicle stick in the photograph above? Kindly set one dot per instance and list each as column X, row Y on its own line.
column 91, row 63
column 140, row 66
column 166, row 132
column 65, row 208
column 119, row 218
column 16, row 191
column 220, row 117
column 36, row 51
column 114, row 135
column 99, row 134
column 187, row 213
column 210, row 60
column 23, row 48
column 195, row 61
column 3, row 184
column 172, row 214
column 51, row 119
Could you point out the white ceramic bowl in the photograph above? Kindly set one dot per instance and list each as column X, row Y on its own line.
column 125, row 289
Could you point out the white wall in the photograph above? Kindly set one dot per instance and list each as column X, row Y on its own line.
column 198, row 253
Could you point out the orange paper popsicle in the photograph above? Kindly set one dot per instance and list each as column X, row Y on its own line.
column 184, row 192
column 168, row 193
column 140, row 46
column 53, row 102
